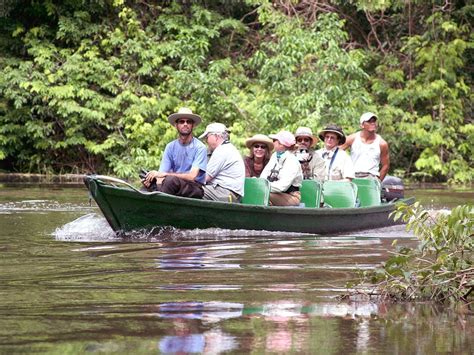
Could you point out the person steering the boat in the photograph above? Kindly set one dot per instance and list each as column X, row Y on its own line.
column 283, row 171
column 369, row 151
column 225, row 172
column 182, row 170
column 312, row 164
column 338, row 164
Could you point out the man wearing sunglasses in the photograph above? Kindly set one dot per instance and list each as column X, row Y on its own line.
column 368, row 149
column 182, row 170
column 312, row 164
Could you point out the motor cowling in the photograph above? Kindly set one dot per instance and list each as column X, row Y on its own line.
column 392, row 188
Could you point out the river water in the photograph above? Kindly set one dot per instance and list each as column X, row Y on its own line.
column 68, row 285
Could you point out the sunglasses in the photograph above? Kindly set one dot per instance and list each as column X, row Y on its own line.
column 261, row 146
column 305, row 139
column 185, row 121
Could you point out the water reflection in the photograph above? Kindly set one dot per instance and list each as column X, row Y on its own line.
column 214, row 341
column 185, row 339
column 179, row 257
column 209, row 291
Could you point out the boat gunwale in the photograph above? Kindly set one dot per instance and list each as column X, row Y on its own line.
column 199, row 203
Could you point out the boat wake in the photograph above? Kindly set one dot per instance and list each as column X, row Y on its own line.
column 88, row 228
column 94, row 228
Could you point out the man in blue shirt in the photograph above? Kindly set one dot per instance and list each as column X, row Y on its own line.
column 183, row 166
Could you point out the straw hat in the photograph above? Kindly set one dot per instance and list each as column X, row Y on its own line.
column 333, row 129
column 306, row 132
column 259, row 138
column 184, row 112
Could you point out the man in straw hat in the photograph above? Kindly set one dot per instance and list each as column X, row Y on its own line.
column 225, row 172
column 338, row 163
column 368, row 149
column 182, row 170
column 312, row 164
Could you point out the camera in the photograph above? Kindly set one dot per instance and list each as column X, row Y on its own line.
column 142, row 174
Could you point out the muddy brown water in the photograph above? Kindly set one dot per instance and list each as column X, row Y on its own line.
column 68, row 285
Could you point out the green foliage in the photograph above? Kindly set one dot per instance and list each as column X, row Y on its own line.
column 441, row 268
column 428, row 101
column 87, row 85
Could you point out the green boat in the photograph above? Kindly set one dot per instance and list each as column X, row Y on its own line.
column 128, row 209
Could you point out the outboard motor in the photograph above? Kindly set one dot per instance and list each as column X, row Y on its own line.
column 392, row 188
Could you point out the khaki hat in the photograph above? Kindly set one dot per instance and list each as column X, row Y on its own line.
column 367, row 116
column 184, row 112
column 333, row 129
column 214, row 128
column 306, row 132
column 259, row 138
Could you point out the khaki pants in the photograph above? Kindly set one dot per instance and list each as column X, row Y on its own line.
column 219, row 193
column 285, row 199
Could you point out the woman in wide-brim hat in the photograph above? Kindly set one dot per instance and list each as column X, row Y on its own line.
column 261, row 148
column 334, row 129
column 338, row 164
column 284, row 171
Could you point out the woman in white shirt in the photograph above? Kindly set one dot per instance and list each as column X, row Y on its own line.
column 283, row 171
column 338, row 162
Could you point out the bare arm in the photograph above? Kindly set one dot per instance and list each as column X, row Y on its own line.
column 384, row 159
column 348, row 143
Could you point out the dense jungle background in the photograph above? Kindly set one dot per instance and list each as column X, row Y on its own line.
column 86, row 85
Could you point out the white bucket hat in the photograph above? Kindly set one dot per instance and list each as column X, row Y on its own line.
column 214, row 128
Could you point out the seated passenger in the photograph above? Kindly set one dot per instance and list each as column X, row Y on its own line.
column 225, row 172
column 183, row 167
column 338, row 163
column 283, row 171
column 260, row 150
column 312, row 164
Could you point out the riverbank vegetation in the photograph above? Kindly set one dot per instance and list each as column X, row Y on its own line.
column 86, row 86
column 440, row 268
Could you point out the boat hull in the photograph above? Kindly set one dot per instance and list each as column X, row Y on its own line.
column 127, row 210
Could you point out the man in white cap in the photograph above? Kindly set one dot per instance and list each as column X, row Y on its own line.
column 312, row 164
column 182, row 170
column 369, row 151
column 225, row 172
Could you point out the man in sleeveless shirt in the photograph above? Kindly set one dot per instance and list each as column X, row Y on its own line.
column 369, row 151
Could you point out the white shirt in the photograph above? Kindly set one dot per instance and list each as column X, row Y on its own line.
column 341, row 168
column 289, row 172
column 227, row 169
column 366, row 157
